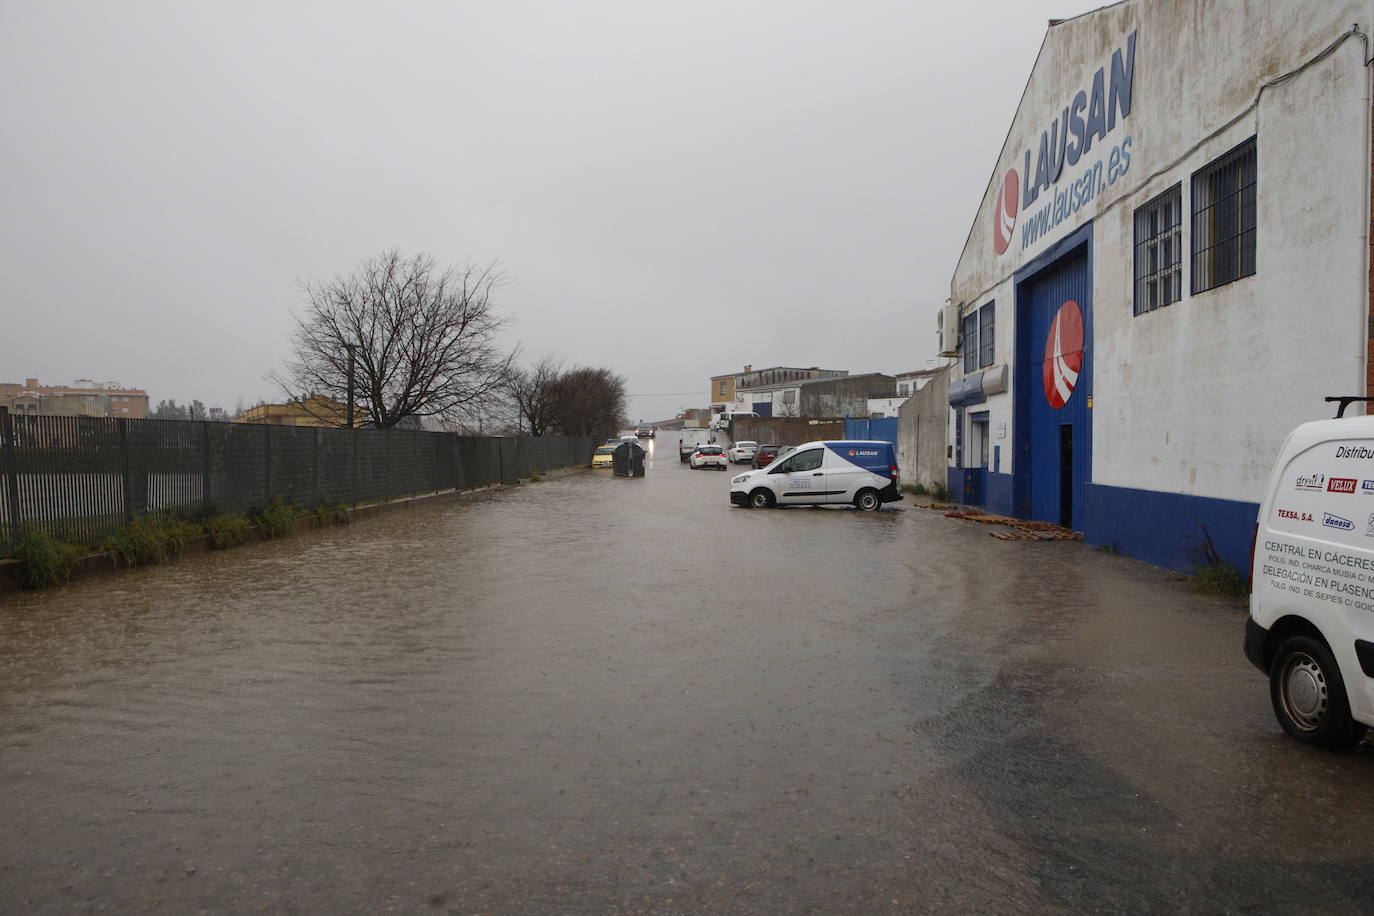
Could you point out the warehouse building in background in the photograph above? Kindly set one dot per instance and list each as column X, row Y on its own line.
column 1169, row 270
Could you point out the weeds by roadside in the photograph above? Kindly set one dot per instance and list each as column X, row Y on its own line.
column 1212, row 575
column 331, row 514
column 47, row 561
column 227, row 531
column 277, row 519
column 151, row 540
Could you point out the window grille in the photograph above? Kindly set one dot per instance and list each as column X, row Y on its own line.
column 971, row 341
column 1159, row 251
column 985, row 335
column 1224, row 219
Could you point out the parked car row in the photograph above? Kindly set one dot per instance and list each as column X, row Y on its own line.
column 742, row 452
column 765, row 455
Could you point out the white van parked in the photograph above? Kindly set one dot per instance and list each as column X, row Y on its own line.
column 1311, row 623
column 861, row 472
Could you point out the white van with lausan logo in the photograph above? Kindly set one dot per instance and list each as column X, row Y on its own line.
column 1311, row 623
column 863, row 473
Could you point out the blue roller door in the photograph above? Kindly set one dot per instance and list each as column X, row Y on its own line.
column 1054, row 384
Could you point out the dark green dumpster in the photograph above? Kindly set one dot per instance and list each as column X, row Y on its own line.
column 628, row 460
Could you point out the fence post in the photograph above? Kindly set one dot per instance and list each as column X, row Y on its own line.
column 266, row 465
column 315, row 471
column 205, row 468
column 386, row 465
column 127, row 469
column 16, row 518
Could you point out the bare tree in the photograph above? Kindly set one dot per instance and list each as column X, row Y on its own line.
column 534, row 394
column 423, row 341
column 589, row 402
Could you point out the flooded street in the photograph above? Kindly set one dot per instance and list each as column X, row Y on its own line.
column 597, row 695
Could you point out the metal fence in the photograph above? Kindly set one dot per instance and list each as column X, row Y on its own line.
column 83, row 478
column 872, row 428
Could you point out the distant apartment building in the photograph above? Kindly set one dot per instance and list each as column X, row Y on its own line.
column 83, row 398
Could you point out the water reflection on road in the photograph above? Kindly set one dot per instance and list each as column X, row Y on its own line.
column 604, row 695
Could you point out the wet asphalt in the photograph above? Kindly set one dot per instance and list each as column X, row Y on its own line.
column 598, row 695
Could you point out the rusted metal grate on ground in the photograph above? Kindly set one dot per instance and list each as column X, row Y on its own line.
column 1020, row 529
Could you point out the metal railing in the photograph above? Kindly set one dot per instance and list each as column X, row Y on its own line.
column 84, row 478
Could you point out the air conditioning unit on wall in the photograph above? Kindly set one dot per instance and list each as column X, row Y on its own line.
column 949, row 330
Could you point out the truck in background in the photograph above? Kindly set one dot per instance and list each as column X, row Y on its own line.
column 691, row 437
column 723, row 419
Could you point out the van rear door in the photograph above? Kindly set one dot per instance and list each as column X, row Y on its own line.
column 855, row 466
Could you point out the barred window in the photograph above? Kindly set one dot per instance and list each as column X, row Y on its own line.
column 1224, row 219
column 985, row 335
column 1159, row 251
column 971, row 341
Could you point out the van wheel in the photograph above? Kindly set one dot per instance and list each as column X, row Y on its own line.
column 761, row 499
column 867, row 500
column 1309, row 697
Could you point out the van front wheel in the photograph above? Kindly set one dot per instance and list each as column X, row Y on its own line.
column 761, row 499
column 867, row 500
column 1309, row 697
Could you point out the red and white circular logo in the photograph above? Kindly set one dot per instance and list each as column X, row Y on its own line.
column 1063, row 354
column 1004, row 213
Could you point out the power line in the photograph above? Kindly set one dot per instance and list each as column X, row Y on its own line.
column 668, row 394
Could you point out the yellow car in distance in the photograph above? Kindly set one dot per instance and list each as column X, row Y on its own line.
column 603, row 456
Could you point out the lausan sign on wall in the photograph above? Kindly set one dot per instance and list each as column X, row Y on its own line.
column 1083, row 124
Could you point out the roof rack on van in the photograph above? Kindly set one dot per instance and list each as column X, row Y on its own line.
column 1345, row 400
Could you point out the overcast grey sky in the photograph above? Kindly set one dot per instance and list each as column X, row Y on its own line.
column 673, row 189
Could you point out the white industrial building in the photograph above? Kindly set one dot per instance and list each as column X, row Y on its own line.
column 1169, row 270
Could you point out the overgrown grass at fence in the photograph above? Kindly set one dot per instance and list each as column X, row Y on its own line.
column 141, row 490
column 46, row 560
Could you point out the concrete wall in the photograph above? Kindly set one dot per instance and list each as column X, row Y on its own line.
column 921, row 433
column 844, row 397
column 784, row 431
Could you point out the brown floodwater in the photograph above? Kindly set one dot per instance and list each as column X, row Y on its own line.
column 595, row 695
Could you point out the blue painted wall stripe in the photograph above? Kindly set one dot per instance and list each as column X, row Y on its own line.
column 1167, row 528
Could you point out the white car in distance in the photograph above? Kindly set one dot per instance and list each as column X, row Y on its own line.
column 708, row 456
column 742, row 452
